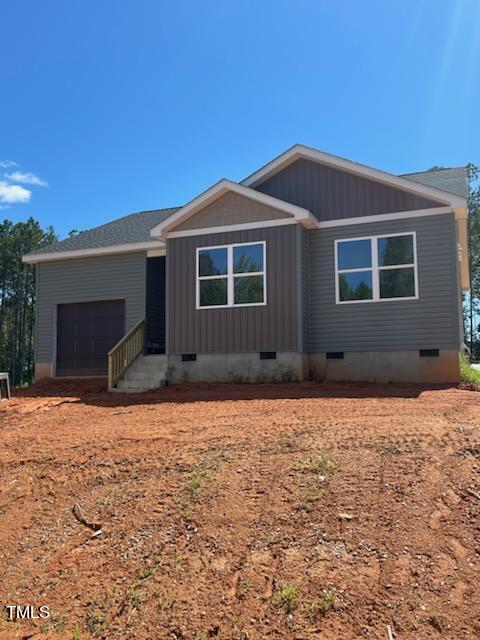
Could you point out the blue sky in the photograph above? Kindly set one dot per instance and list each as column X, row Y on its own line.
column 134, row 105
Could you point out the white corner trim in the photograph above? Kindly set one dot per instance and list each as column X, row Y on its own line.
column 304, row 216
column 301, row 151
column 385, row 217
column 232, row 227
column 461, row 213
column 34, row 258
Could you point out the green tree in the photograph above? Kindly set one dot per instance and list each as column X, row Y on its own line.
column 472, row 301
column 17, row 296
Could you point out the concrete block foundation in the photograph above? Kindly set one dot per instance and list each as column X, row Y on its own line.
column 238, row 367
column 43, row 370
column 387, row 366
column 289, row 366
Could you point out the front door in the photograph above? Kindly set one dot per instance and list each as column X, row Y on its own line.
column 155, row 306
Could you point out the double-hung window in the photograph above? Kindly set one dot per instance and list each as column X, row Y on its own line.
column 376, row 268
column 231, row 275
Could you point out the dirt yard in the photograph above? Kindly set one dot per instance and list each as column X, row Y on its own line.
column 242, row 512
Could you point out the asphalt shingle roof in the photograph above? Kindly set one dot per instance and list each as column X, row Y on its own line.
column 136, row 226
column 132, row 228
column 452, row 180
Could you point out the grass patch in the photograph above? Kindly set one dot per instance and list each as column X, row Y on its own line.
column 196, row 481
column 166, row 599
column 76, row 632
column 147, row 573
column 243, row 589
column 287, row 597
column 320, row 465
column 388, row 448
column 134, row 599
column 96, row 625
column 328, row 600
column 320, row 470
column 467, row 374
column 312, row 495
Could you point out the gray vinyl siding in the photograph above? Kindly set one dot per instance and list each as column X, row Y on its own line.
column 231, row 209
column 272, row 327
column 432, row 321
column 332, row 194
column 115, row 277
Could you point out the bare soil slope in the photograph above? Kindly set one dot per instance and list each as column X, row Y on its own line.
column 242, row 512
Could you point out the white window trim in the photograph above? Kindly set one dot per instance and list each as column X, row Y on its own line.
column 375, row 268
column 230, row 276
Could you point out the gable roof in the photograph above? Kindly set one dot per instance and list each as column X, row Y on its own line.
column 454, row 180
column 127, row 232
column 222, row 187
column 143, row 230
column 410, row 185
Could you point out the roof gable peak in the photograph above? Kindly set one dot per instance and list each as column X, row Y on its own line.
column 217, row 191
column 300, row 151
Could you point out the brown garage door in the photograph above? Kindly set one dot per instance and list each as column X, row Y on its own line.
column 86, row 332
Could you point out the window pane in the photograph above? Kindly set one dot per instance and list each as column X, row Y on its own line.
column 248, row 289
column 213, row 292
column 397, row 283
column 212, row 262
column 354, row 254
column 395, row 250
column 247, row 258
column 356, row 286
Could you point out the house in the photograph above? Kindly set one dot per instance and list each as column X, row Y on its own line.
column 313, row 266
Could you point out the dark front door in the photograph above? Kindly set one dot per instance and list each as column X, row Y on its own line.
column 155, row 306
column 86, row 332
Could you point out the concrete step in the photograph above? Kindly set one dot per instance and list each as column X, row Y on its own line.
column 158, row 360
column 147, row 372
column 135, row 389
column 144, row 376
column 130, row 386
column 141, row 374
column 150, row 365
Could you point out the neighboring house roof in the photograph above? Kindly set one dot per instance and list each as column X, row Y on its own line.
column 132, row 230
column 454, row 180
column 299, row 214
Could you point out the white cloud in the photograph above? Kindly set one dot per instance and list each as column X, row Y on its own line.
column 7, row 164
column 26, row 178
column 13, row 193
column 11, row 189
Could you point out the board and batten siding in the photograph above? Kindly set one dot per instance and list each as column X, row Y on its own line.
column 303, row 260
column 272, row 327
column 116, row 277
column 335, row 194
column 430, row 322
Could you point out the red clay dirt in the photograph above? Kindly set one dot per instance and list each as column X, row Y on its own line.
column 242, row 512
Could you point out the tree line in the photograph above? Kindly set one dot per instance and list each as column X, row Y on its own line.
column 17, row 296
column 471, row 301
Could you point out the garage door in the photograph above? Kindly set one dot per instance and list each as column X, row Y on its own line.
column 86, row 332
